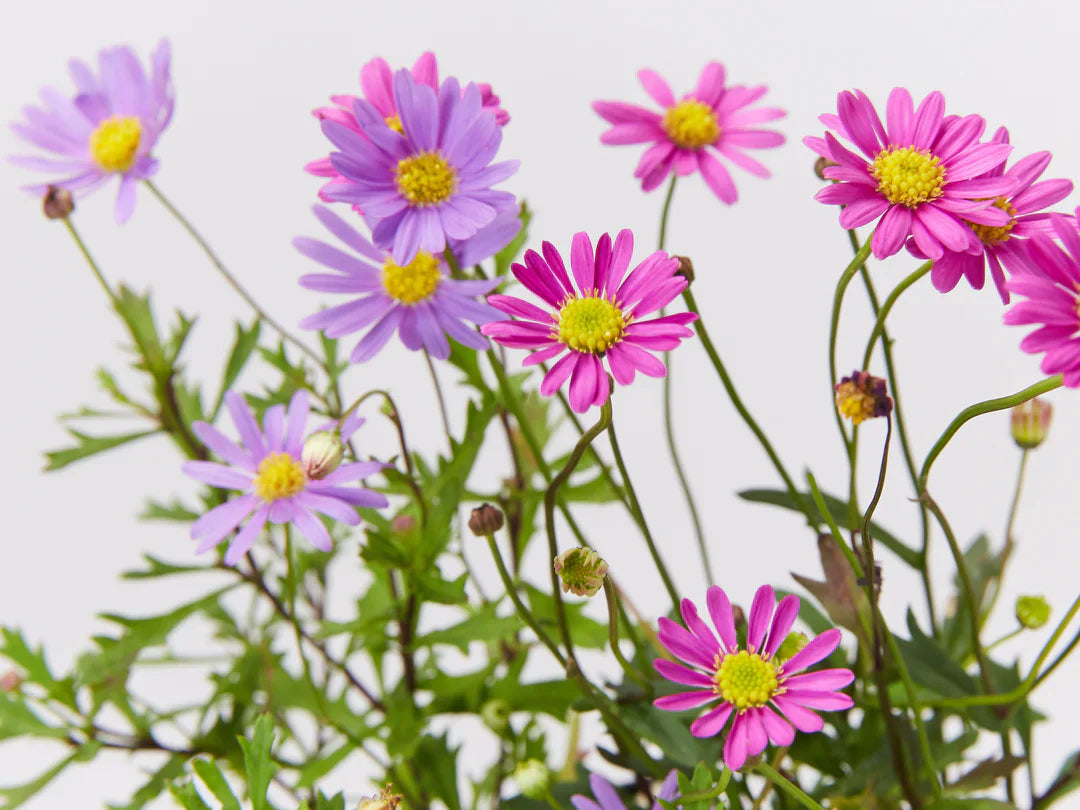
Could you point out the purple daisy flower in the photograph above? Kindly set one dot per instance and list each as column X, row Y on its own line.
column 924, row 175
column 1052, row 287
column 269, row 468
column 749, row 682
column 418, row 299
column 108, row 128
column 710, row 119
column 1002, row 246
column 607, row 799
column 431, row 181
column 599, row 318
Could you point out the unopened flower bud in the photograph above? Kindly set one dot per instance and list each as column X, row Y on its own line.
column 863, row 396
column 1032, row 611
column 10, row 681
column 485, row 520
column 403, row 524
column 686, row 268
column 57, row 203
column 323, row 452
column 1031, row 422
column 820, row 165
column 738, row 617
column 496, row 715
column 386, row 800
column 581, row 570
column 792, row 643
column 533, row 778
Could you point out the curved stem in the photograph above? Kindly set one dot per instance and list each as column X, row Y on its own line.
column 886, row 308
column 440, row 398
column 613, row 636
column 784, row 784
column 834, row 324
column 231, row 279
column 639, row 516
column 89, row 259
column 733, row 395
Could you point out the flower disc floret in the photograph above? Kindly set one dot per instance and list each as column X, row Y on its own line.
column 691, row 124
column 114, row 145
column 278, row 476
column 745, row 679
column 425, row 179
column 995, row 235
column 590, row 323
column 908, row 175
column 414, row 282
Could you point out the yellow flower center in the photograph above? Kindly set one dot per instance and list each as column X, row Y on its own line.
column 414, row 282
column 691, row 124
column 279, row 475
column 745, row 679
column 590, row 324
column 425, row 179
column 115, row 142
column 990, row 235
column 394, row 122
column 854, row 403
column 908, row 176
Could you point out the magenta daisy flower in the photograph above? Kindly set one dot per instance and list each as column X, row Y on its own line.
column 269, row 468
column 685, row 136
column 107, row 129
column 749, row 683
column 1052, row 287
column 376, row 83
column 597, row 317
column 419, row 299
column 430, row 182
column 607, row 799
column 923, row 177
column 1002, row 246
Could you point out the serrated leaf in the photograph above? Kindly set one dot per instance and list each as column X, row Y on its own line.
column 214, row 779
column 18, row 720
column 188, row 797
column 257, row 762
column 88, row 446
column 433, row 588
column 440, row 769
column 37, row 669
column 243, row 345
column 483, row 625
column 173, row 511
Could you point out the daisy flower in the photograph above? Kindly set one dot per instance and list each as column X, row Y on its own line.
column 419, row 299
column 607, row 799
column 749, row 683
column 431, row 181
column 269, row 467
column 689, row 133
column 376, row 83
column 597, row 317
column 109, row 127
column 1052, row 288
column 1001, row 246
column 922, row 175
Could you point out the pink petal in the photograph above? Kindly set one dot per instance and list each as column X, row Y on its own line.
column 656, row 87
column 711, row 723
column 761, row 611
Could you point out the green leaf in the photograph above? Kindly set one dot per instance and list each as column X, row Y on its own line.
column 174, row 511
column 484, row 625
column 433, row 588
column 586, row 632
column 986, row 774
column 18, row 720
column 15, row 796
column 159, row 780
column 160, row 568
column 257, row 761
column 439, row 769
column 315, row 769
column 333, row 803
column 136, row 313
column 1067, row 780
column 505, row 257
column 840, row 594
column 188, row 797
column 243, row 345
column 839, row 510
column 970, row 804
column 37, row 669
column 214, row 779
column 88, row 446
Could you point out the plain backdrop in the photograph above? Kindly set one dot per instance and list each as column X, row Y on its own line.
column 247, row 76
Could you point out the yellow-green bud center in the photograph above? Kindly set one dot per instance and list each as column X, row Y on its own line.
column 590, row 324
column 792, row 643
column 414, row 282
column 115, row 143
column 425, row 179
column 279, row 475
column 394, row 122
column 1032, row 611
column 995, row 235
column 581, row 570
column 745, row 679
column 908, row 176
column 691, row 124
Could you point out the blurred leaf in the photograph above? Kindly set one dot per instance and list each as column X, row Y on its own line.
column 17, row 720
column 257, row 761
column 318, row 767
column 15, row 796
column 930, row 665
column 985, row 775
column 969, row 804
column 174, row 510
column 1066, row 781
column 433, row 588
column 37, row 669
column 439, row 769
column 158, row 782
column 505, row 257
column 243, row 345
column 333, row 803
column 586, row 632
column 214, row 779
column 160, row 568
column 484, row 625
column 840, row 594
column 88, row 446
column 188, row 797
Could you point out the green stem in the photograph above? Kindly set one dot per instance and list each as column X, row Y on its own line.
column 834, row 324
column 613, row 636
column 440, row 398
column 90, row 260
column 733, row 395
column 639, row 516
column 1061, row 657
column 1007, row 637
column 1014, row 510
column 783, row 783
column 886, row 308
column 666, row 210
column 231, row 279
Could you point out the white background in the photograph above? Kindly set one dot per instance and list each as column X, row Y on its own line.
column 247, row 76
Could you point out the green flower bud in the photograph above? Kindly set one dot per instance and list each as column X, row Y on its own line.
column 496, row 715
column 581, row 570
column 386, row 800
column 791, row 645
column 1031, row 422
column 1032, row 611
column 533, row 778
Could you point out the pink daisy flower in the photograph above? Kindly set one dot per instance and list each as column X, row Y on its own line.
column 377, row 86
column 923, row 175
column 1052, row 288
column 279, row 484
column 685, row 136
column 751, row 682
column 597, row 317
column 1002, row 246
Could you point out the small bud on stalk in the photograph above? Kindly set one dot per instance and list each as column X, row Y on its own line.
column 533, row 778
column 485, row 520
column 820, row 165
column 10, row 681
column 58, row 203
column 322, row 454
column 496, row 715
column 1031, row 422
column 863, row 396
column 686, row 268
column 403, row 524
column 581, row 570
column 1032, row 611
column 386, row 800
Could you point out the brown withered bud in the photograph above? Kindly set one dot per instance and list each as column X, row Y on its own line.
column 739, row 616
column 57, row 203
column 821, row 164
column 686, row 268
column 485, row 520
